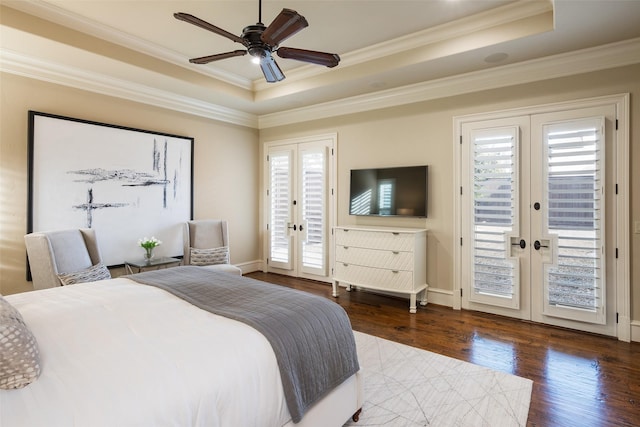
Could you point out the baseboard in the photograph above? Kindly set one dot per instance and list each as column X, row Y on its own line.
column 250, row 266
column 440, row 297
column 635, row 330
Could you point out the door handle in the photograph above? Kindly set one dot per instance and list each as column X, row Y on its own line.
column 537, row 245
column 290, row 229
column 521, row 243
column 516, row 242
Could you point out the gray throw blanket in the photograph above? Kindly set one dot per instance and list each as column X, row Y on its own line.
column 310, row 335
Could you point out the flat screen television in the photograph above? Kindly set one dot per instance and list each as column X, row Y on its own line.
column 398, row 191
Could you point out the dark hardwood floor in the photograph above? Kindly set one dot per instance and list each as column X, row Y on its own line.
column 579, row 379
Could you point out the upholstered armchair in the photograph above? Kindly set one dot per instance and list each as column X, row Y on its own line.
column 206, row 243
column 64, row 257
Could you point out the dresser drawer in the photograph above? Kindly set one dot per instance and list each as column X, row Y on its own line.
column 392, row 260
column 393, row 241
column 392, row 280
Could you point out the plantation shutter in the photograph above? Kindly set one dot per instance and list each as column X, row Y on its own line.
column 575, row 215
column 280, row 192
column 313, row 196
column 495, row 274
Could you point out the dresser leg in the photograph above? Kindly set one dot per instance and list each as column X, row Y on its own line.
column 334, row 285
column 412, row 303
column 423, row 298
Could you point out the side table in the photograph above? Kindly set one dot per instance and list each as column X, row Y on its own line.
column 153, row 264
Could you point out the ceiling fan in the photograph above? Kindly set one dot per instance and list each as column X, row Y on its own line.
column 261, row 42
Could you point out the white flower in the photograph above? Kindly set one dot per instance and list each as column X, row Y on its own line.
column 149, row 243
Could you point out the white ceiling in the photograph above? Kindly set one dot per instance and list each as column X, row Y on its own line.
column 383, row 44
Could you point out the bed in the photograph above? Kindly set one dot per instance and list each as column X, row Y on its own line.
column 120, row 352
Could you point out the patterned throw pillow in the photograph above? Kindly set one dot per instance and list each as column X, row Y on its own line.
column 210, row 256
column 19, row 355
column 91, row 274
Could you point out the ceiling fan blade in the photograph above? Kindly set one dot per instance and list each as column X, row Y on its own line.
column 287, row 23
column 207, row 26
column 270, row 69
column 211, row 58
column 320, row 58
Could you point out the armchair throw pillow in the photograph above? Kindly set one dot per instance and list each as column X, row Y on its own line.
column 91, row 274
column 210, row 256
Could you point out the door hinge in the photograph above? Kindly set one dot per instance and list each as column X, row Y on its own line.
column 460, row 291
column 616, row 124
column 616, row 188
column 461, row 241
column 267, row 157
column 616, row 253
column 332, row 191
column 460, row 139
column 617, row 317
column 332, row 151
column 461, row 190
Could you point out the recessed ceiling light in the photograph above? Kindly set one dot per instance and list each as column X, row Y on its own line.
column 496, row 57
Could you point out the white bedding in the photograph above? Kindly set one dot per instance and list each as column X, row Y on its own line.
column 215, row 371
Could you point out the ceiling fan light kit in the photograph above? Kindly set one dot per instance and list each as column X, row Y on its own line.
column 261, row 42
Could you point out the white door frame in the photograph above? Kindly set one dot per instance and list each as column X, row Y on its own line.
column 331, row 185
column 622, row 267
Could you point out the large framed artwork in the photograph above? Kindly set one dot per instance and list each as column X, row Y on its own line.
column 125, row 183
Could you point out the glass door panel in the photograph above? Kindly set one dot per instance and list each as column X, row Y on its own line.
column 313, row 229
column 573, row 216
column 495, row 198
column 281, row 209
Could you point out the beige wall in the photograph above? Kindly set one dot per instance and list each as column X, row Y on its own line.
column 225, row 164
column 422, row 133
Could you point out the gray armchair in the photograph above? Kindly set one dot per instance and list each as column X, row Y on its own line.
column 55, row 253
column 206, row 243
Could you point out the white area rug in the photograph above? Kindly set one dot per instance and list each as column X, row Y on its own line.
column 407, row 386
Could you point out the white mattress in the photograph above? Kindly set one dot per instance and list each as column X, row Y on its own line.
column 117, row 353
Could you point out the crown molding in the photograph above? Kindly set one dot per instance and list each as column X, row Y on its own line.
column 58, row 15
column 562, row 65
column 35, row 68
column 578, row 62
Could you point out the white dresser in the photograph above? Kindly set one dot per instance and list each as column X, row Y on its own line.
column 387, row 259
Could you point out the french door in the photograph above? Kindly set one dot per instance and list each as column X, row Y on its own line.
column 538, row 215
column 300, row 206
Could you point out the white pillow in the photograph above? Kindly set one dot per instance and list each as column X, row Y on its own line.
column 19, row 354
column 210, row 256
column 91, row 274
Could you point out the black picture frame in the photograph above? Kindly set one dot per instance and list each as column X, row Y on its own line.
column 125, row 183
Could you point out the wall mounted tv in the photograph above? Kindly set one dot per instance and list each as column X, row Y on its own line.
column 397, row 191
